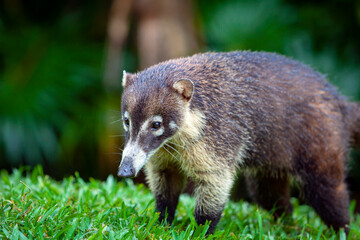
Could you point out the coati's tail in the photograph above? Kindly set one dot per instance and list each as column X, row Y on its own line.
column 356, row 125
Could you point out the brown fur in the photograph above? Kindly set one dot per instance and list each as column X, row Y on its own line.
column 257, row 111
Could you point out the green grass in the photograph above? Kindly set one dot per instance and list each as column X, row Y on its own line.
column 38, row 207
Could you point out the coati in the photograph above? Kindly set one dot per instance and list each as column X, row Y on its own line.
column 208, row 115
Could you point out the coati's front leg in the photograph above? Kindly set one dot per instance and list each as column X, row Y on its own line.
column 166, row 183
column 212, row 192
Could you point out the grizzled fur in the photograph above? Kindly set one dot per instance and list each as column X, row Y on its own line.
column 262, row 112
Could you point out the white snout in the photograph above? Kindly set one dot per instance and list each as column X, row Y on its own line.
column 135, row 152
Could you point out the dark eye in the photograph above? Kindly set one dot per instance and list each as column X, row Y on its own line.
column 126, row 121
column 155, row 125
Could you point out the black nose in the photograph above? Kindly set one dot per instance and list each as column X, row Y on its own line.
column 126, row 168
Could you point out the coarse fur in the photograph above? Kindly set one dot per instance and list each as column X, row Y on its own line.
column 267, row 114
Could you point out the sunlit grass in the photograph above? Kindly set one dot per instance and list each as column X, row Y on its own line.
column 38, row 207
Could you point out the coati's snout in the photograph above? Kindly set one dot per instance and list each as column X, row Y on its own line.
column 126, row 169
column 143, row 139
column 151, row 116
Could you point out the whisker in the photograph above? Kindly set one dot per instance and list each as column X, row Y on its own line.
column 120, row 146
column 114, row 114
column 177, row 144
column 170, row 153
column 116, row 153
column 115, row 121
column 172, row 148
column 118, row 135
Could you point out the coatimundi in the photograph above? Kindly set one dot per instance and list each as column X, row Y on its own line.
column 206, row 116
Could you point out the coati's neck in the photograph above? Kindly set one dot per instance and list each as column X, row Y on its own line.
column 191, row 129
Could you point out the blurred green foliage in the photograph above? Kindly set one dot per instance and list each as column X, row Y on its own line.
column 323, row 34
column 53, row 109
column 51, row 96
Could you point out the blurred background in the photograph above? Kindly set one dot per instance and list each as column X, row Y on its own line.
column 61, row 64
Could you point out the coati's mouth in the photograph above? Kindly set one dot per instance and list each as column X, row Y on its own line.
column 134, row 158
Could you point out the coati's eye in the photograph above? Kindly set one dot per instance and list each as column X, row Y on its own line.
column 126, row 121
column 155, row 125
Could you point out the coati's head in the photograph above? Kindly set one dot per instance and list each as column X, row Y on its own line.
column 153, row 107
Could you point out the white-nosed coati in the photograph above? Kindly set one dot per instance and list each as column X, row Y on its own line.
column 207, row 115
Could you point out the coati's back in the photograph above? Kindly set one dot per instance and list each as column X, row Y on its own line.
column 204, row 116
column 267, row 106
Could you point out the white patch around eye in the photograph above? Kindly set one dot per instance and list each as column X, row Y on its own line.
column 173, row 125
column 124, row 79
column 161, row 130
column 157, row 118
column 158, row 132
column 145, row 126
column 126, row 115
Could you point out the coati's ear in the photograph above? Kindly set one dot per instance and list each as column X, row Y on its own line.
column 185, row 88
column 127, row 79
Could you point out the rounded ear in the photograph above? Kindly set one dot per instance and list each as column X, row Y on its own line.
column 126, row 79
column 185, row 88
